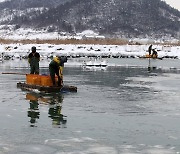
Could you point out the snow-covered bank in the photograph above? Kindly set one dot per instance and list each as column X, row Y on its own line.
column 78, row 50
column 12, row 32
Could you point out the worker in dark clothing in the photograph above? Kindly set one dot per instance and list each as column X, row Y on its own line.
column 154, row 54
column 33, row 59
column 149, row 49
column 56, row 68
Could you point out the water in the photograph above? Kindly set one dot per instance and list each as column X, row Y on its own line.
column 131, row 107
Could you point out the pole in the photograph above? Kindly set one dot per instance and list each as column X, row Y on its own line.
column 13, row 73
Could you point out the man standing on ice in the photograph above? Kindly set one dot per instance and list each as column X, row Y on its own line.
column 33, row 59
column 149, row 49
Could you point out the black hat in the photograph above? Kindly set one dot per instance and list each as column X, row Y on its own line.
column 33, row 49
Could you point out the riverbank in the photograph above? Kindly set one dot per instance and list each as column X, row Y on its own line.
column 96, row 41
column 11, row 51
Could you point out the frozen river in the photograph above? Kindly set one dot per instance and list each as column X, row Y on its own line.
column 130, row 107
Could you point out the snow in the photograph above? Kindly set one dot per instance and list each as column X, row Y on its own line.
column 77, row 50
column 81, row 50
column 11, row 32
column 88, row 32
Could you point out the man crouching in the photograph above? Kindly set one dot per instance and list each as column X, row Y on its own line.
column 56, row 68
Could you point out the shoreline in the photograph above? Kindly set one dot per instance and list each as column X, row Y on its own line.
column 84, row 41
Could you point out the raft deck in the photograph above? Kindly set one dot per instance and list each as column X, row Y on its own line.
column 47, row 89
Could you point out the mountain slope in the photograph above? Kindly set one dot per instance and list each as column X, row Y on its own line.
column 129, row 18
column 24, row 4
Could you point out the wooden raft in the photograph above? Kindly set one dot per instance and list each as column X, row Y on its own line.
column 48, row 89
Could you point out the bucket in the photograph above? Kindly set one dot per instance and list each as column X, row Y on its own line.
column 33, row 79
column 46, row 80
column 148, row 56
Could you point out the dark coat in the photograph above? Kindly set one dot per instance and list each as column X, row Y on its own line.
column 34, row 59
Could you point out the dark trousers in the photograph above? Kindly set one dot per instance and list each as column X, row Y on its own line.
column 54, row 72
column 34, row 69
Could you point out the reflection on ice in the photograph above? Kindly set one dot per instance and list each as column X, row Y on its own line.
column 33, row 112
column 54, row 102
column 56, row 116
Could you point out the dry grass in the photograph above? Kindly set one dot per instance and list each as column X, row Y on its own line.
column 68, row 41
column 75, row 41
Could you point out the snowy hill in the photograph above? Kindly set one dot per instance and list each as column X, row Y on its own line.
column 111, row 18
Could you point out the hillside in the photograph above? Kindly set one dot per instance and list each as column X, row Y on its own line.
column 111, row 18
